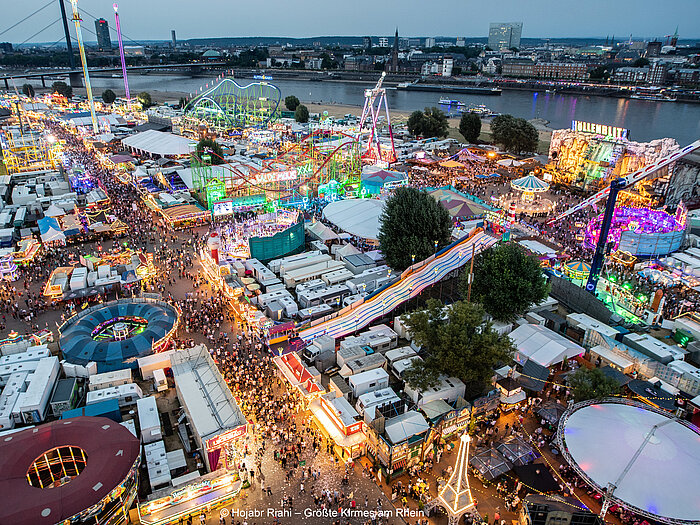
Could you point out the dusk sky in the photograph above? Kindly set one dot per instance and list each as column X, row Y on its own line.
column 153, row 19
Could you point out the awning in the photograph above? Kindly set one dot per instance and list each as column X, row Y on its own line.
column 513, row 399
column 333, row 431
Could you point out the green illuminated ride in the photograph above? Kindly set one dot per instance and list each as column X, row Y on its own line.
column 228, row 106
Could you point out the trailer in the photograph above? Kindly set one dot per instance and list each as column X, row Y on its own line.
column 362, row 364
column 368, row 381
column 331, row 295
column 368, row 403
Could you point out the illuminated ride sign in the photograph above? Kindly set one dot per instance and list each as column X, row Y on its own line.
column 600, row 129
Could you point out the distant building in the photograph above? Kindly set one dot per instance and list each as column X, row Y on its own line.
column 5, row 47
column 430, row 42
column 367, row 42
column 173, row 39
column 134, row 50
column 447, row 65
column 653, row 49
column 561, row 70
column 383, row 41
column 461, row 42
column 313, row 63
column 104, row 43
column 358, row 63
column 657, row 73
column 688, row 77
column 518, row 67
column 492, row 66
column 505, row 35
column 631, row 75
column 395, row 53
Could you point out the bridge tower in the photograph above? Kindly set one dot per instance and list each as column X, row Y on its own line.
column 83, row 59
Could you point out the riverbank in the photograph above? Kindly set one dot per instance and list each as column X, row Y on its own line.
column 398, row 117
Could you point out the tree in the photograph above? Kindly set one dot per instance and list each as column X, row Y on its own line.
column 456, row 341
column 145, row 99
column 641, row 62
column 507, row 281
column 592, row 383
column 183, row 102
column 515, row 134
column 410, row 224
column 429, row 123
column 212, row 148
column 415, row 123
column 291, row 102
column 600, row 73
column 28, row 90
column 62, row 88
column 108, row 96
column 301, row 114
column 470, row 127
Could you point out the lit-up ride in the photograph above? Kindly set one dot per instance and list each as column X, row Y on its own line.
column 227, row 107
column 611, row 193
column 641, row 231
column 373, row 151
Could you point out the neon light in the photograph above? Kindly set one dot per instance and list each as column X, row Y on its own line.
column 121, row 54
column 88, row 87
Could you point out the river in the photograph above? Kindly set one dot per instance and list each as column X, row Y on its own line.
column 646, row 120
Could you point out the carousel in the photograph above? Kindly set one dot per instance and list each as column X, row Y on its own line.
column 526, row 196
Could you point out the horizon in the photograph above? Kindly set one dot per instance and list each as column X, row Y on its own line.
column 156, row 18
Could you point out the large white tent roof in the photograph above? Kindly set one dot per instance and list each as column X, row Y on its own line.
column 159, row 143
column 603, row 439
column 359, row 217
column 542, row 345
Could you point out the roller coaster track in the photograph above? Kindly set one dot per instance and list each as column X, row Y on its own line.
column 411, row 283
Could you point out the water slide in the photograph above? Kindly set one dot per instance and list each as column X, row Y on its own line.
column 412, row 282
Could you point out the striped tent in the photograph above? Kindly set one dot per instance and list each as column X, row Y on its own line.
column 530, row 183
column 577, row 269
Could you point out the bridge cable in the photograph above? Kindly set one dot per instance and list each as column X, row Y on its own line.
column 41, row 31
column 26, row 17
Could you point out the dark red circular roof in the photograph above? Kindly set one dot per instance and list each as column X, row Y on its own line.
column 111, row 452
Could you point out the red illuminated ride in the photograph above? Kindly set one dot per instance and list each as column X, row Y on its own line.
column 373, row 151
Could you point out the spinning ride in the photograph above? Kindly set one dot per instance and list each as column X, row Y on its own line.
column 527, row 202
column 116, row 334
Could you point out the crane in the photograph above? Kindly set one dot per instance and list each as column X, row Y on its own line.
column 611, row 192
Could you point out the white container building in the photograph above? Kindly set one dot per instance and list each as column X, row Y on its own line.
column 149, row 420
column 368, row 381
column 110, row 379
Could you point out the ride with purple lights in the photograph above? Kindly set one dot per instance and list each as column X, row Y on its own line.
column 640, row 231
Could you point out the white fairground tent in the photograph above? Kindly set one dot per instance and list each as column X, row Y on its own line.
column 542, row 345
column 359, row 217
column 158, row 143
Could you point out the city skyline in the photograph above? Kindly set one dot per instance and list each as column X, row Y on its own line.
column 594, row 19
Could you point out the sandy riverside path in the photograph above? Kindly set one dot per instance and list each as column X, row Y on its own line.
column 339, row 110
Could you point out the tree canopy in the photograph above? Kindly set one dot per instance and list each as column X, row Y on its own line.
column 507, row 281
column 301, row 114
column 108, row 96
column 291, row 102
column 515, row 134
column 62, row 88
column 28, row 90
column 470, row 127
column 410, row 224
column 428, row 123
column 145, row 99
column 212, row 148
column 456, row 342
column 592, row 383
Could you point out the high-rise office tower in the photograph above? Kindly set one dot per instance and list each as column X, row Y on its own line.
column 104, row 43
column 505, row 35
column 173, row 38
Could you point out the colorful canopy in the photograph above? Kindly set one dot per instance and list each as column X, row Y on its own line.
column 530, row 183
column 451, row 164
column 577, row 269
column 458, row 205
